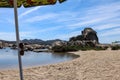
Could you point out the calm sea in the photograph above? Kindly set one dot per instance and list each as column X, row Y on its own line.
column 9, row 58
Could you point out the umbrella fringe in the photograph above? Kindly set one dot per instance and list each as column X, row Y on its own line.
column 28, row 3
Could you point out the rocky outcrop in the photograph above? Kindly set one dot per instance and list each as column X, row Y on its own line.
column 1, row 45
column 58, row 43
column 88, row 37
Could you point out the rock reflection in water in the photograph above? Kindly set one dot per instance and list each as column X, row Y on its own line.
column 61, row 55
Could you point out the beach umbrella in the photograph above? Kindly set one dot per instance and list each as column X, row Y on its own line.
column 26, row 3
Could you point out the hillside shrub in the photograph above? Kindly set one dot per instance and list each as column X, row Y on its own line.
column 117, row 47
column 76, row 48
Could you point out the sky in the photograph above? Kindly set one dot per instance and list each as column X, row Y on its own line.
column 62, row 21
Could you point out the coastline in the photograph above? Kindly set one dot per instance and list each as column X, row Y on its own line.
column 91, row 65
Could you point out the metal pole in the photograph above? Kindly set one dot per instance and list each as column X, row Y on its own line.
column 17, row 38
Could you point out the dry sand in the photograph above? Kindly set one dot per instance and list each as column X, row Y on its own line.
column 91, row 65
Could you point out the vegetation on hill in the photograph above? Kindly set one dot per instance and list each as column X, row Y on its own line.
column 116, row 47
column 76, row 48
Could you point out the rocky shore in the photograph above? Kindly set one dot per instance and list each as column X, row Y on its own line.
column 91, row 65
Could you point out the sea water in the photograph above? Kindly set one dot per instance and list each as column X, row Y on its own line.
column 9, row 58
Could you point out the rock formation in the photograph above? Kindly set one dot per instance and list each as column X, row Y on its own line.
column 88, row 37
column 1, row 45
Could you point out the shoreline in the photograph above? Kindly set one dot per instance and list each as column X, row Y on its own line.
column 91, row 65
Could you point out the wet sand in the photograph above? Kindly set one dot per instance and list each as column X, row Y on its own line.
column 91, row 65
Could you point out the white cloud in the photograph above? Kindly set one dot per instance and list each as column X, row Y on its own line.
column 92, row 16
column 40, row 18
column 12, row 35
column 111, row 32
column 33, row 33
column 109, row 8
column 7, row 36
column 68, row 35
column 87, row 22
column 49, row 29
column 29, row 11
column 11, row 21
column 106, row 26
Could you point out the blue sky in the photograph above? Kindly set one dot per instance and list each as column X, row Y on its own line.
column 62, row 21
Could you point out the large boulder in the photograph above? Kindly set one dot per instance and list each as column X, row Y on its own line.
column 58, row 43
column 90, row 35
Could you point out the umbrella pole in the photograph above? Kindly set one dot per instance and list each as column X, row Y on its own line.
column 17, row 38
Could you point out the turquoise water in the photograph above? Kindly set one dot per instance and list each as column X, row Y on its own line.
column 9, row 58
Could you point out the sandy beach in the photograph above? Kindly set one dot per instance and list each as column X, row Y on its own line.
column 91, row 65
